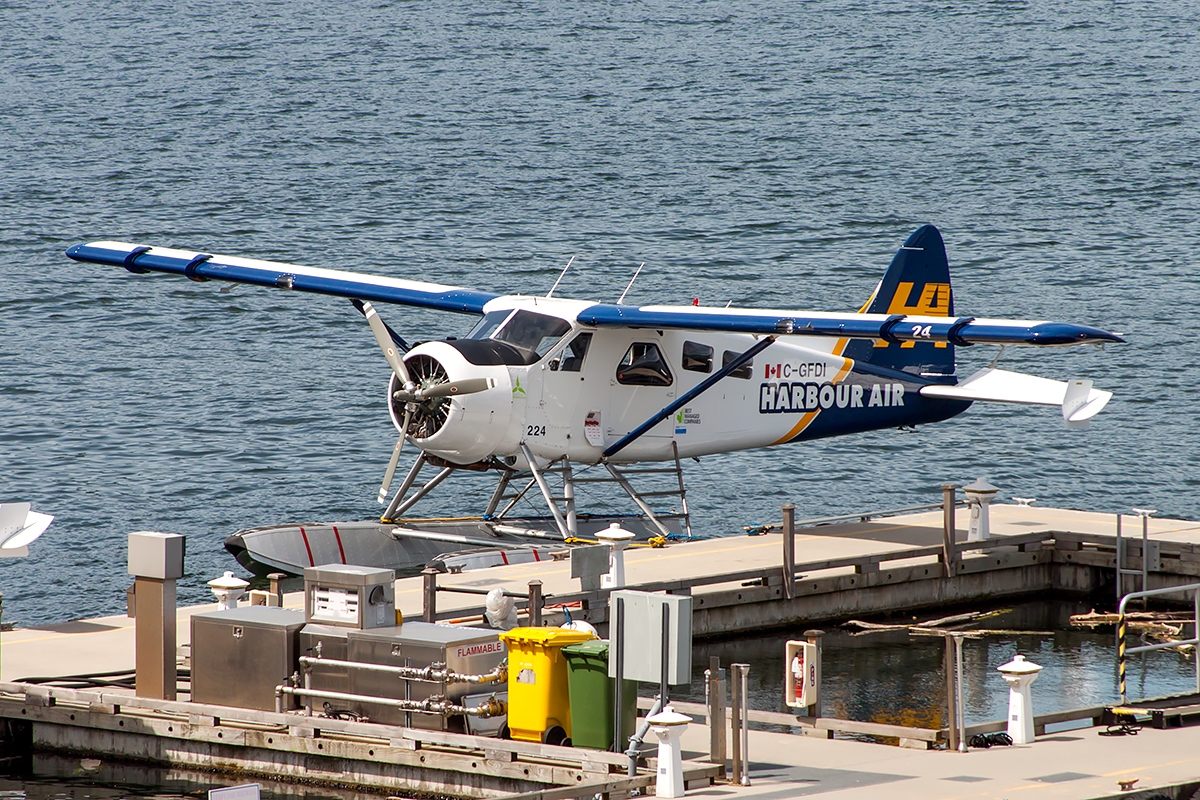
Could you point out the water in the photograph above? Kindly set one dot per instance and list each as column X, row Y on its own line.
column 894, row 678
column 754, row 152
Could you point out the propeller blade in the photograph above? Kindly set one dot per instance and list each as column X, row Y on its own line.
column 395, row 459
column 385, row 342
column 451, row 388
column 397, row 338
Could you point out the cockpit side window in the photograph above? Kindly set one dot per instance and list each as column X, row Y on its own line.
column 643, row 365
column 532, row 331
column 488, row 325
column 572, row 356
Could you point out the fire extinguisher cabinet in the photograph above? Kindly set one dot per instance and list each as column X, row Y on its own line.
column 802, row 674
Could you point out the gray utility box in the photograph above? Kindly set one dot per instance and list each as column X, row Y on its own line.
column 350, row 596
column 239, row 656
column 469, row 651
column 643, row 636
column 333, row 645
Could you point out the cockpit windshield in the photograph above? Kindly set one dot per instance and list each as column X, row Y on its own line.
column 487, row 326
column 526, row 330
column 531, row 331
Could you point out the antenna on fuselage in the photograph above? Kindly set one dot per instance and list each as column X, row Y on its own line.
column 631, row 280
column 560, row 277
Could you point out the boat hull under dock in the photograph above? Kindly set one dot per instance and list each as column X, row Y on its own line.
column 408, row 546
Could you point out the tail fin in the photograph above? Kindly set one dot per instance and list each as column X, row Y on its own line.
column 916, row 282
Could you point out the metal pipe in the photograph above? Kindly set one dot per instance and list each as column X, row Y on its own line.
column 949, row 551
column 434, row 673
column 619, row 689
column 962, row 722
column 635, row 741
column 569, row 499
column 789, row 550
column 743, row 672
column 516, row 498
column 687, row 517
column 491, row 707
column 308, row 686
column 624, row 483
column 429, row 595
column 666, row 653
column 535, row 603
column 498, row 494
column 735, row 721
column 547, row 495
column 419, row 493
column 409, row 479
column 716, row 713
column 862, row 516
column 951, row 694
column 1120, row 557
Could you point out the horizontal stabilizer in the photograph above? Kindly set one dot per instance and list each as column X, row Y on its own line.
column 18, row 527
column 1078, row 400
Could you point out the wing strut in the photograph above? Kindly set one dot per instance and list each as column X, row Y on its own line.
column 687, row 397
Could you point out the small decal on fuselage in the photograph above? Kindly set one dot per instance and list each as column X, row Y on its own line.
column 806, row 369
column 800, row 398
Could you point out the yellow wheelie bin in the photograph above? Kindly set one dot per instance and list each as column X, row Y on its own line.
column 539, row 700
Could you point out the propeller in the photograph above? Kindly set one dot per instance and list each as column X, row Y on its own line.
column 411, row 394
column 383, row 336
column 447, row 389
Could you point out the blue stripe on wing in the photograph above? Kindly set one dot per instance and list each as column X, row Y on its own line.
column 303, row 279
column 857, row 326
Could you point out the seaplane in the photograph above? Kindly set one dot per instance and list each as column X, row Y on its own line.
column 543, row 389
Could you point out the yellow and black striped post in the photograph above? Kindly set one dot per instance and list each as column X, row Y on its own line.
column 1121, row 654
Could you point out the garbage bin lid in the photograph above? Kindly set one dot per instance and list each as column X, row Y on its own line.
column 547, row 637
column 592, row 647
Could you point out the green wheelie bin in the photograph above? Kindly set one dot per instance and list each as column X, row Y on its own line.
column 593, row 694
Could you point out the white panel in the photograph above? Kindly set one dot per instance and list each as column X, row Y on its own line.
column 643, row 636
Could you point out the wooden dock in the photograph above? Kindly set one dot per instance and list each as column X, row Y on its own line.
column 738, row 584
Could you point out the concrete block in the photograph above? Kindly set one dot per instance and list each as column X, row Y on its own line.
column 156, row 555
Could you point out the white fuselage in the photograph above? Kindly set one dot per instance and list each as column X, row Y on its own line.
column 559, row 406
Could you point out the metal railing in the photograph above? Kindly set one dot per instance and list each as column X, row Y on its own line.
column 1123, row 652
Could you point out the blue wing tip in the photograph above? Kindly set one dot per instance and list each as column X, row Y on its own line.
column 1065, row 333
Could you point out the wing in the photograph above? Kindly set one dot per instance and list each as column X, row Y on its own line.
column 888, row 327
column 205, row 267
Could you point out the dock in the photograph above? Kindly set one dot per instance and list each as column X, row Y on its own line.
column 851, row 568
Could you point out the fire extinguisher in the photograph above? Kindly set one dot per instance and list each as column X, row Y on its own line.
column 798, row 675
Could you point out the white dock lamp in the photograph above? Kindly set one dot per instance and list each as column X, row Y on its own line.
column 979, row 495
column 1019, row 674
column 616, row 538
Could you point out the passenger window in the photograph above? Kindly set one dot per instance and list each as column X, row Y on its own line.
column 572, row 356
column 697, row 357
column 744, row 371
column 643, row 365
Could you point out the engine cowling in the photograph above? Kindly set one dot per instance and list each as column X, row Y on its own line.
column 462, row 429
